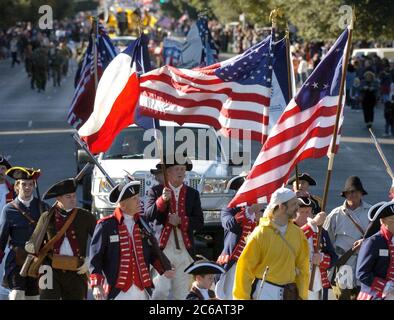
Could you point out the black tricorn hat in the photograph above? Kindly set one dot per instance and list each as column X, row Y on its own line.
column 61, row 188
column 124, row 190
column 201, row 267
column 156, row 171
column 353, row 183
column 303, row 176
column 305, row 202
column 17, row 173
column 377, row 212
column 171, row 160
column 4, row 162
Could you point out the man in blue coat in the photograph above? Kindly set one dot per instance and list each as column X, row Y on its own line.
column 123, row 248
column 375, row 263
column 17, row 223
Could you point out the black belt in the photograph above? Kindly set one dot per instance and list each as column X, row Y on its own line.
column 274, row 284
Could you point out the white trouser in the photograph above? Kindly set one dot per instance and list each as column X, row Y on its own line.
column 178, row 287
column 17, row 295
column 134, row 293
column 224, row 287
column 267, row 292
column 315, row 295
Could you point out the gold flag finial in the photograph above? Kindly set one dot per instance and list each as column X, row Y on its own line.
column 274, row 15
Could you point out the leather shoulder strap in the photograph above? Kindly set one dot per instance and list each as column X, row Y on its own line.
column 285, row 241
column 49, row 245
column 25, row 214
column 359, row 228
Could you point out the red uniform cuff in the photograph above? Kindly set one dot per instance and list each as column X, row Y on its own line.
column 161, row 204
column 378, row 285
column 325, row 263
column 240, row 217
column 308, row 231
column 96, row 279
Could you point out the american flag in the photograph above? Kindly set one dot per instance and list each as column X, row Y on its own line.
column 304, row 130
column 83, row 100
column 232, row 96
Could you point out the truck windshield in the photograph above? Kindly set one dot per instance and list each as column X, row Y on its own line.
column 137, row 143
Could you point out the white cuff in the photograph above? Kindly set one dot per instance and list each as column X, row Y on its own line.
column 250, row 215
column 312, row 225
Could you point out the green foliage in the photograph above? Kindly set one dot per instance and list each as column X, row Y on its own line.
column 314, row 19
column 12, row 11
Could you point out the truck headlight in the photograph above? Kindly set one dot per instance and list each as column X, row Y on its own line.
column 104, row 186
column 214, row 185
column 211, row 216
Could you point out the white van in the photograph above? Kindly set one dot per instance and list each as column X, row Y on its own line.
column 387, row 53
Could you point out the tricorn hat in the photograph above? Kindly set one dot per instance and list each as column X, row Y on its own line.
column 377, row 212
column 61, row 188
column 4, row 162
column 17, row 173
column 303, row 176
column 156, row 171
column 202, row 267
column 353, row 183
column 124, row 190
column 171, row 160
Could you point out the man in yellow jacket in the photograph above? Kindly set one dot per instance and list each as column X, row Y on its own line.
column 276, row 253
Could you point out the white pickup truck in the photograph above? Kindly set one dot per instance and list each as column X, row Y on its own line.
column 214, row 171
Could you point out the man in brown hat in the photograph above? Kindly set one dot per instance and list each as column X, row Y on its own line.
column 18, row 220
column 346, row 226
column 177, row 209
column 67, row 257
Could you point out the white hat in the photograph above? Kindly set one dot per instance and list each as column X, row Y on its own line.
column 280, row 196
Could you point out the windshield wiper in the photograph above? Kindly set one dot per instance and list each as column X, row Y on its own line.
column 115, row 156
column 132, row 156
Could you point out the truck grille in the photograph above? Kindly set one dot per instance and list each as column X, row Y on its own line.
column 194, row 183
column 142, row 187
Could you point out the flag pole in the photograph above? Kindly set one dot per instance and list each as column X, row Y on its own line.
column 160, row 150
column 331, row 155
column 290, row 90
column 94, row 43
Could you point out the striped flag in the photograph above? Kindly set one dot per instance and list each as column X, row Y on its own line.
column 304, row 130
column 232, row 96
column 83, row 100
column 116, row 99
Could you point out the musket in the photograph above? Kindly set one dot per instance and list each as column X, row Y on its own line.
column 34, row 244
column 262, row 282
column 84, row 147
column 380, row 151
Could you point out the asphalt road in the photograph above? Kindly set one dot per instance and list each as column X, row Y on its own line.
column 34, row 133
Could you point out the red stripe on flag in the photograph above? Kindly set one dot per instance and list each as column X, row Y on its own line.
column 188, row 88
column 120, row 116
column 286, row 157
column 269, row 188
column 299, row 128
